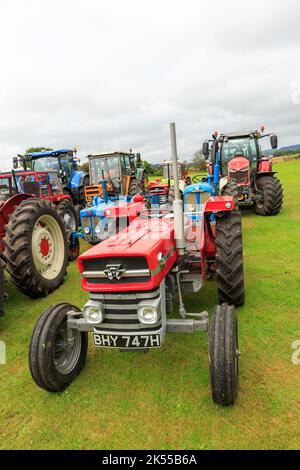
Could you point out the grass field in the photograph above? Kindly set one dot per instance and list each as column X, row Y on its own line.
column 162, row 400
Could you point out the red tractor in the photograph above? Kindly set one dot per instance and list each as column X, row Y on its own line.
column 164, row 187
column 133, row 280
column 238, row 163
column 33, row 238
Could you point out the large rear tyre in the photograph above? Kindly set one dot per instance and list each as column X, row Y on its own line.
column 67, row 212
column 134, row 187
column 171, row 195
column 57, row 354
column 2, row 287
column 270, row 189
column 36, row 248
column 224, row 355
column 231, row 189
column 229, row 259
column 81, row 192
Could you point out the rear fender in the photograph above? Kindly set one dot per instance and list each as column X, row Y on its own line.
column 8, row 208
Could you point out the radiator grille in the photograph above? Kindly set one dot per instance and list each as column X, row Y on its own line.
column 122, row 314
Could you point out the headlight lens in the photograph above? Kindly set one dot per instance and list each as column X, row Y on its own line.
column 149, row 314
column 86, row 230
column 94, row 312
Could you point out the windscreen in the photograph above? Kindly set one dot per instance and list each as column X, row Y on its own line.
column 46, row 163
column 106, row 168
column 168, row 171
column 238, row 147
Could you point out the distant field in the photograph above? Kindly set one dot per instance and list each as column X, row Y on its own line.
column 161, row 400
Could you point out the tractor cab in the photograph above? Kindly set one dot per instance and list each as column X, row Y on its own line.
column 114, row 174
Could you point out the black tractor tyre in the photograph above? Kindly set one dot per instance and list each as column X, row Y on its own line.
column 224, row 355
column 229, row 259
column 231, row 189
column 74, row 250
column 56, row 354
column 2, row 287
column 171, row 195
column 81, row 194
column 134, row 187
column 67, row 212
column 36, row 248
column 270, row 187
column 78, row 208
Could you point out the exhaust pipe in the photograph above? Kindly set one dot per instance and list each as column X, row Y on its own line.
column 177, row 204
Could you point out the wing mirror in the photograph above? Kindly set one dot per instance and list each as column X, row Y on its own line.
column 205, row 149
column 15, row 163
column 274, row 141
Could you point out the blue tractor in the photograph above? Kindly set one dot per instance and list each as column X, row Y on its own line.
column 66, row 163
column 203, row 187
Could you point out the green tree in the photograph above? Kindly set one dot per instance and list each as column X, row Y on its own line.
column 85, row 167
column 36, row 149
column 199, row 162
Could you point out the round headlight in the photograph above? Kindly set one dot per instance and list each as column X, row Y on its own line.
column 148, row 315
column 228, row 205
column 93, row 314
column 97, row 229
column 86, row 230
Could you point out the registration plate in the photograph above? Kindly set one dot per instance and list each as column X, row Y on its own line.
column 126, row 341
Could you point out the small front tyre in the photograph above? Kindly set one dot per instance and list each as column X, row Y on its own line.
column 57, row 353
column 224, row 355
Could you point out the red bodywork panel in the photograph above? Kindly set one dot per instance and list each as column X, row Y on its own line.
column 7, row 208
column 158, row 187
column 265, row 165
column 148, row 238
column 239, row 164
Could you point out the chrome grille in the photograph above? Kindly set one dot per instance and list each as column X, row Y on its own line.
column 121, row 310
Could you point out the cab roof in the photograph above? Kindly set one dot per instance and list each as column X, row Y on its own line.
column 48, row 153
column 105, row 154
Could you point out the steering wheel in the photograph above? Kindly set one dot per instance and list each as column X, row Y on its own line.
column 198, row 178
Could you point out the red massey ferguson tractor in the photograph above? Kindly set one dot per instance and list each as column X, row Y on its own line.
column 133, row 279
column 33, row 238
column 244, row 171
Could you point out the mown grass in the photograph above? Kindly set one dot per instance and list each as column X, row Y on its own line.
column 162, row 400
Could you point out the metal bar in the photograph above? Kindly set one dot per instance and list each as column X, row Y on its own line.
column 102, row 274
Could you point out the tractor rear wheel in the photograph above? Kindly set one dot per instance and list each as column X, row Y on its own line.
column 270, row 189
column 134, row 187
column 2, row 287
column 81, row 193
column 57, row 354
column 36, row 248
column 231, row 189
column 171, row 195
column 229, row 259
column 67, row 212
column 224, row 355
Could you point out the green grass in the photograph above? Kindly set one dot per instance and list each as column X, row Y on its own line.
column 161, row 400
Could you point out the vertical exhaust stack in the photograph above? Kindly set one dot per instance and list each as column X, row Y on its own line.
column 177, row 204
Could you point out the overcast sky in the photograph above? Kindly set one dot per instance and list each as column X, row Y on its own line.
column 106, row 75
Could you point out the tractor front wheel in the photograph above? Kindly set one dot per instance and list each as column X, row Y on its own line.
column 224, row 355
column 271, row 196
column 231, row 189
column 67, row 212
column 36, row 248
column 57, row 353
column 229, row 259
